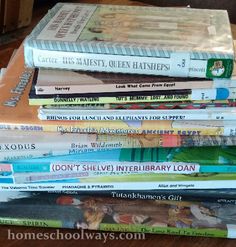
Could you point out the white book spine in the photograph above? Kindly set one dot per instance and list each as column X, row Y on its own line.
column 139, row 115
column 116, row 87
column 131, row 87
column 8, row 156
column 179, row 64
column 25, row 143
column 62, row 146
column 213, row 184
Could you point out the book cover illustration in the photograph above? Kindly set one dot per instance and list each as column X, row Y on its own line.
column 117, row 31
column 109, row 214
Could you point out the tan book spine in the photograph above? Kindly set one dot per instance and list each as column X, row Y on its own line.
column 25, row 13
column 11, row 15
column 15, row 14
column 2, row 10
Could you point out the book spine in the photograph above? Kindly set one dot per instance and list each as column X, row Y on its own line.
column 55, row 172
column 198, row 94
column 197, row 90
column 2, row 10
column 58, row 100
column 22, row 155
column 133, row 87
column 25, row 13
column 150, row 106
column 215, row 128
column 178, row 64
column 155, row 106
column 22, row 178
column 27, row 145
column 117, row 168
column 207, row 232
column 229, row 232
column 11, row 15
column 111, row 168
column 14, row 221
column 8, row 185
column 212, row 196
column 121, row 87
column 137, row 115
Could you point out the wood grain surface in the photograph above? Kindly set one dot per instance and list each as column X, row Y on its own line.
column 12, row 41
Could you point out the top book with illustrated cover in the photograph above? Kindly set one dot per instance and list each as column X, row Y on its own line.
column 133, row 39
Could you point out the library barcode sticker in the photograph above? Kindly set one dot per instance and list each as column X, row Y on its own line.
column 201, row 94
column 180, row 63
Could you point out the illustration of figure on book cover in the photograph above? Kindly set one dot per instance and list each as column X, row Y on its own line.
column 151, row 213
column 122, row 26
column 90, row 212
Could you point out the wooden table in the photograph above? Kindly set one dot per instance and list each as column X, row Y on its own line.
column 150, row 240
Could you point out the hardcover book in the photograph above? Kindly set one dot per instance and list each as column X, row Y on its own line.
column 133, row 39
column 121, row 215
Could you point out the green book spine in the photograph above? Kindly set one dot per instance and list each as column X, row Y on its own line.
column 30, row 222
column 166, row 230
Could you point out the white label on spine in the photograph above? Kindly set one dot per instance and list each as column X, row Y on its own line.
column 231, row 231
column 68, row 23
column 204, row 94
column 118, row 63
column 229, row 131
column 198, row 68
column 180, row 63
column 119, row 168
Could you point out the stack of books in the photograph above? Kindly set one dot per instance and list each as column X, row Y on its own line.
column 121, row 118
